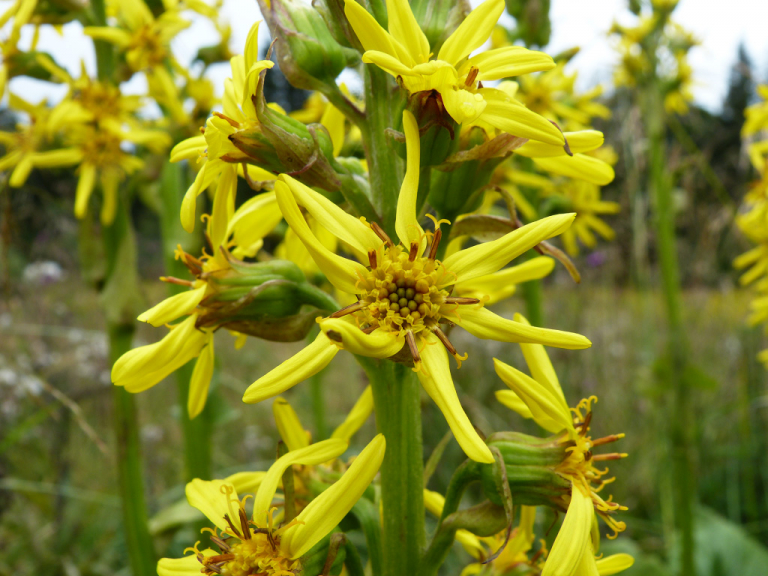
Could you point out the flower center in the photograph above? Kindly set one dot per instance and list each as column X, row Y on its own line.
column 404, row 293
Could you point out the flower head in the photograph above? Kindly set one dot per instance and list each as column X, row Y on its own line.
column 404, row 52
column 404, row 294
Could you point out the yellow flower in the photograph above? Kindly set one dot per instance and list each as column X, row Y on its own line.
column 143, row 367
column 540, row 397
column 23, row 148
column 404, row 293
column 256, row 545
column 404, row 52
column 756, row 115
column 145, row 41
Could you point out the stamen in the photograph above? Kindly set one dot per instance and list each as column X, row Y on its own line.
column 412, row 345
column 435, row 244
column 473, row 72
column 372, row 259
column 607, row 439
column 369, row 330
column 459, row 300
column 178, row 281
column 232, row 527
column 444, row 339
column 223, row 546
column 212, row 568
column 414, row 252
column 612, row 456
column 347, row 310
column 244, row 524
column 379, row 231
column 220, row 558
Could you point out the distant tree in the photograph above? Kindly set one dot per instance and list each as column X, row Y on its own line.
column 741, row 90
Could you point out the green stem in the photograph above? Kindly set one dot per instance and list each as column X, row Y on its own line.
column 197, row 432
column 396, row 397
column 384, row 166
column 681, row 421
column 129, row 466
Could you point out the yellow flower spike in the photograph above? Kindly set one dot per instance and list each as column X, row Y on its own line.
column 614, row 564
column 512, row 401
column 141, row 368
column 572, row 541
column 356, row 417
column 578, row 166
column 348, row 336
column 289, row 426
column 545, row 407
column 298, row 368
column 201, row 379
column 341, row 272
column 435, row 377
column 486, row 325
column 489, row 257
column 309, row 456
column 406, row 225
column 329, row 508
column 502, row 284
column 174, row 307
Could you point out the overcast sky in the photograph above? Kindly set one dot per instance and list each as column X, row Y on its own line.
column 581, row 23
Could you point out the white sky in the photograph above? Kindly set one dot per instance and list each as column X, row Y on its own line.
column 581, row 23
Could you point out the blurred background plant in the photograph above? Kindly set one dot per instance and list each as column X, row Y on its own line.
column 674, row 364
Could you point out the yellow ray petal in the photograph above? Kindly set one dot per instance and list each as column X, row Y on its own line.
column 173, row 307
column 581, row 141
column 21, row 172
column 472, row 33
column 501, row 284
column 406, row 225
column 57, row 158
column 484, row 324
column 614, row 564
column 435, row 377
column 329, row 508
column 371, row 35
column 215, row 499
column 189, row 149
column 114, row 36
column 489, row 257
column 84, row 188
column 288, row 425
column 201, row 379
column 223, row 206
column 514, row 402
column 539, row 363
column 462, row 105
column 246, row 482
column 312, row 455
column 341, row 272
column 404, row 29
column 256, row 218
column 388, row 63
column 546, row 408
column 507, row 62
column 143, row 367
column 573, row 538
column 356, row 417
column 313, row 358
column 346, row 335
column 187, row 566
column 344, row 226
column 509, row 116
column 578, row 166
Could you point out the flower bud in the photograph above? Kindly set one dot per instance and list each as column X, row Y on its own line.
column 263, row 299
column 307, row 52
column 531, row 469
column 439, row 18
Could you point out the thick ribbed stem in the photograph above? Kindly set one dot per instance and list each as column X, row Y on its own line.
column 396, row 396
column 197, row 432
